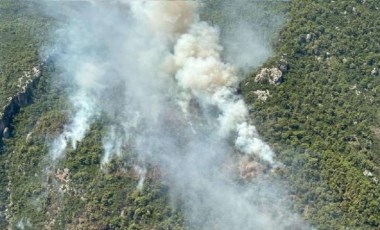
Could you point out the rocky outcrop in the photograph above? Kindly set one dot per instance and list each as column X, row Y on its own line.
column 262, row 95
column 274, row 75
column 249, row 169
column 375, row 72
column 283, row 65
column 370, row 175
column 23, row 98
column 305, row 38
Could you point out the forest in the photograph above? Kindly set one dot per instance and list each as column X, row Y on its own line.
column 321, row 119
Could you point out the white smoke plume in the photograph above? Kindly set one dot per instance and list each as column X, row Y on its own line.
column 156, row 70
column 199, row 69
column 248, row 30
column 77, row 128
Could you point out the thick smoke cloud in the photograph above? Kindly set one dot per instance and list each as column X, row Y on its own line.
column 157, row 72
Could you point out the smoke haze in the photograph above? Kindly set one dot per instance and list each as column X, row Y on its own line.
column 158, row 73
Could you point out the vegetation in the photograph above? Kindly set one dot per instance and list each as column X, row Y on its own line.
column 322, row 121
column 22, row 32
column 74, row 193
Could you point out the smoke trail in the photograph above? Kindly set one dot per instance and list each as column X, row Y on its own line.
column 157, row 72
column 201, row 70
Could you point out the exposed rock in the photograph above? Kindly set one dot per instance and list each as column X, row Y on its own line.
column 305, row 38
column 262, row 95
column 249, row 169
column 367, row 173
column 7, row 132
column 269, row 75
column 62, row 175
column 309, row 37
column 283, row 65
column 23, row 98
column 375, row 72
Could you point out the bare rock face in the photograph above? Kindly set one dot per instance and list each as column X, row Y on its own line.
column 249, row 169
column 19, row 100
column 309, row 37
column 272, row 76
column 305, row 38
column 262, row 95
column 375, row 72
column 283, row 65
column 7, row 132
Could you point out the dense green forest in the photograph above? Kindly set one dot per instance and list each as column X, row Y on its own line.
column 22, row 31
column 322, row 120
column 34, row 194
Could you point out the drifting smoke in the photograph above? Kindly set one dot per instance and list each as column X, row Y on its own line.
column 157, row 72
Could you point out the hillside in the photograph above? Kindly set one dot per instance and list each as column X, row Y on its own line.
column 23, row 29
column 321, row 119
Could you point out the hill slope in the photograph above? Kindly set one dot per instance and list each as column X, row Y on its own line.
column 322, row 120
